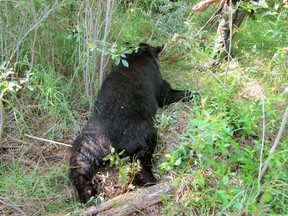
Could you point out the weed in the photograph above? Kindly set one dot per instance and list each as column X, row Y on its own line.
column 31, row 187
column 211, row 151
column 127, row 169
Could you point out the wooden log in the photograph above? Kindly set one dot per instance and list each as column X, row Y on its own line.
column 131, row 202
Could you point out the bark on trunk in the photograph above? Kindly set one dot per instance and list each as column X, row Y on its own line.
column 131, row 202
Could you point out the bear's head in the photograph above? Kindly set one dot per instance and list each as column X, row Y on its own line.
column 85, row 192
column 150, row 50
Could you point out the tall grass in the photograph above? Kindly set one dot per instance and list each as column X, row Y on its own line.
column 54, row 57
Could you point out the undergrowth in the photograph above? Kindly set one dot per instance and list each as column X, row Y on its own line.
column 210, row 151
column 219, row 153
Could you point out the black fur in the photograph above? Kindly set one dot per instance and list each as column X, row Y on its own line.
column 123, row 118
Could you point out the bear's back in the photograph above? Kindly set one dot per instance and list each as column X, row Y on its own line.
column 130, row 91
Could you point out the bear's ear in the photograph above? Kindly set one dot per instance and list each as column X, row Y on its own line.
column 144, row 46
column 159, row 49
column 151, row 51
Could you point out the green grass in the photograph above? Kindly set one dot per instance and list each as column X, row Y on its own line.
column 210, row 150
column 33, row 187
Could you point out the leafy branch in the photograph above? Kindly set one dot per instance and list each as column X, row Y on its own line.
column 127, row 169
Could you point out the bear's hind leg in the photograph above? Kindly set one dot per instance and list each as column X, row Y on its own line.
column 145, row 176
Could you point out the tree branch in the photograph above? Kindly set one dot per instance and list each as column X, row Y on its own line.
column 276, row 143
column 263, row 168
column 46, row 140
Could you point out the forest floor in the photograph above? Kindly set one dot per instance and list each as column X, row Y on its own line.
column 212, row 152
column 32, row 152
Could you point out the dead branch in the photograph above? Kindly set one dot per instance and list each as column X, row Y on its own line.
column 263, row 167
column 46, row 140
column 276, row 143
column 131, row 202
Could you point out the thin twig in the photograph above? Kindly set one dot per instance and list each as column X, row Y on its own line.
column 276, row 143
column 279, row 152
column 209, row 21
column 123, row 25
column 263, row 169
column 106, row 32
column 46, row 140
column 261, row 152
column 230, row 41
column 35, row 35
column 12, row 206
column 31, row 29
column 263, row 140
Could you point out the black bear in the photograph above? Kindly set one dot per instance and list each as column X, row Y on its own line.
column 123, row 118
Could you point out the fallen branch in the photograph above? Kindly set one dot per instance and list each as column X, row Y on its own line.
column 46, row 140
column 131, row 202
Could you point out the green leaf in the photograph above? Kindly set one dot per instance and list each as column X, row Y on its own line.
column 112, row 160
column 178, row 162
column 225, row 180
column 237, row 205
column 91, row 46
column 125, row 63
column 112, row 150
column 122, row 152
column 117, row 60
